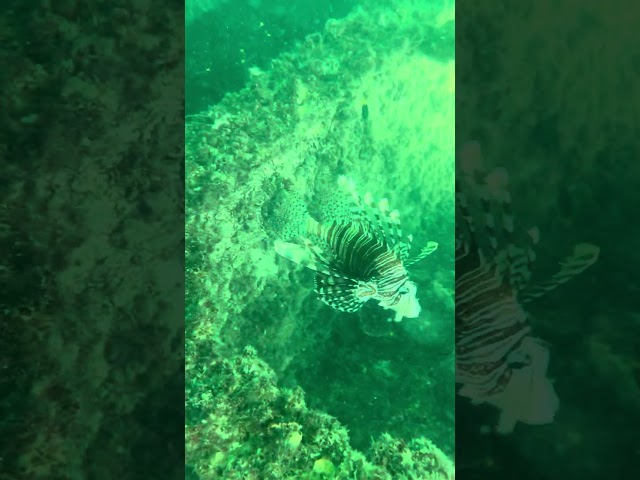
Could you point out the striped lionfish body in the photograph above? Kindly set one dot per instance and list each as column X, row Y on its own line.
column 498, row 361
column 359, row 256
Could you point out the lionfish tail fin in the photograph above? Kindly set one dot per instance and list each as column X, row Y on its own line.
column 286, row 215
column 584, row 255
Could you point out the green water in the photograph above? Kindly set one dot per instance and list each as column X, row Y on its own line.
column 550, row 101
column 289, row 100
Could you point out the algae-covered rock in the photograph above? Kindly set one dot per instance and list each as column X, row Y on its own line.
column 363, row 97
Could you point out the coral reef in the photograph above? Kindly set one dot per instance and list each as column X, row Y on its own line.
column 245, row 426
column 91, row 337
column 296, row 126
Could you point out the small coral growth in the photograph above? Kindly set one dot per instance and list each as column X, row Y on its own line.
column 242, row 424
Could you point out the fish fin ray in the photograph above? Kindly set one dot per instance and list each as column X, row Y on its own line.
column 584, row 255
column 338, row 292
column 426, row 250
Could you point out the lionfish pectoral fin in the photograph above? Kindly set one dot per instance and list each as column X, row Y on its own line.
column 584, row 255
column 295, row 253
column 427, row 250
column 339, row 292
column 307, row 255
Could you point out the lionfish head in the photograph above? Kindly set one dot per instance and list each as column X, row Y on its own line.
column 529, row 397
column 405, row 302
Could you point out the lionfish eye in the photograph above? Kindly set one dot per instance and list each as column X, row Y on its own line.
column 403, row 291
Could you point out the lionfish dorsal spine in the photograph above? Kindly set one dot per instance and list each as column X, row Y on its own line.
column 382, row 222
column 487, row 224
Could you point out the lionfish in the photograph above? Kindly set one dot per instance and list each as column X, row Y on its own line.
column 359, row 254
column 498, row 361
